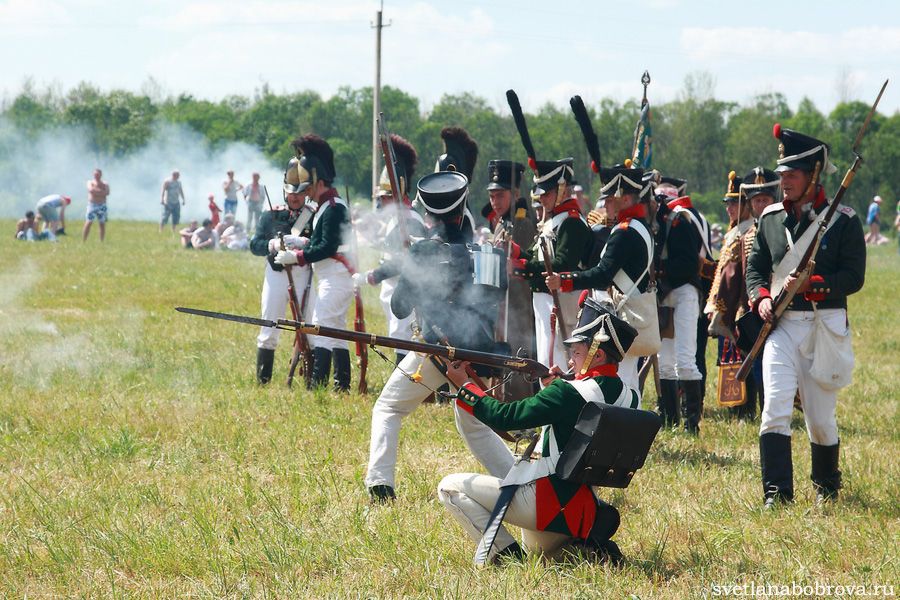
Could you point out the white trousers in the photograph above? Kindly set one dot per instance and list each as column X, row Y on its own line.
column 543, row 305
column 786, row 370
column 397, row 328
column 677, row 355
column 275, row 301
column 334, row 292
column 470, row 498
column 628, row 373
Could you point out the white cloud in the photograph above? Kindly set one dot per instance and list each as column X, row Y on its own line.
column 293, row 16
column 28, row 13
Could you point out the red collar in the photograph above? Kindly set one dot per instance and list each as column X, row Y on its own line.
column 328, row 196
column 607, row 370
column 568, row 206
column 683, row 202
column 638, row 211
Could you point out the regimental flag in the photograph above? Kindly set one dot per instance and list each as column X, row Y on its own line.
column 642, row 152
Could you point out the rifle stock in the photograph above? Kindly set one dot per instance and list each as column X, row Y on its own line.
column 390, row 164
column 548, row 266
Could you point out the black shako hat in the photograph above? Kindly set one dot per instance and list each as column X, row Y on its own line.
column 733, row 188
column 314, row 162
column 405, row 167
column 800, row 151
column 552, row 174
column 760, row 181
column 504, row 174
column 460, row 152
column 650, row 180
column 598, row 323
column 680, row 185
column 621, row 180
column 443, row 193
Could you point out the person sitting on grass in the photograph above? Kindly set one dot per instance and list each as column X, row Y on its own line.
column 206, row 237
column 187, row 233
column 26, row 229
column 235, row 237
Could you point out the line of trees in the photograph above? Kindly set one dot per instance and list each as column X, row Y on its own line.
column 696, row 136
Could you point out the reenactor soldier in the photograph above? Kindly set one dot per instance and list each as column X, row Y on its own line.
column 820, row 306
column 570, row 241
column 627, row 255
column 510, row 219
column 327, row 251
column 292, row 222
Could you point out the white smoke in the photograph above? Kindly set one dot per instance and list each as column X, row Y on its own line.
column 60, row 161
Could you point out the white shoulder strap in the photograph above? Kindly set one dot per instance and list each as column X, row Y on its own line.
column 621, row 279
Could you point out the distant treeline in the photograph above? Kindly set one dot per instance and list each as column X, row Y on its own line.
column 696, row 137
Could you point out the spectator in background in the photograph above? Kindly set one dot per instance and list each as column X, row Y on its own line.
column 214, row 210
column 26, row 229
column 52, row 209
column 227, row 221
column 231, row 188
column 235, row 237
column 873, row 220
column 98, row 191
column 172, row 193
column 186, row 235
column 253, row 194
column 205, row 238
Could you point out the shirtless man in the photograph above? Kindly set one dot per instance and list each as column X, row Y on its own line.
column 172, row 192
column 26, row 229
column 98, row 190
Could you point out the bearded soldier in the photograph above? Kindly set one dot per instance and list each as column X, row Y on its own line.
column 784, row 229
column 292, row 221
column 327, row 252
column 627, row 255
column 394, row 244
column 510, row 219
column 436, row 282
column 569, row 240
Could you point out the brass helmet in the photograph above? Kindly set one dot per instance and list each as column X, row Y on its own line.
column 314, row 162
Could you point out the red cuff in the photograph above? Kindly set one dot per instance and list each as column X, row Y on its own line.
column 468, row 396
column 817, row 290
column 301, row 260
column 763, row 293
column 515, row 251
column 567, row 285
column 518, row 264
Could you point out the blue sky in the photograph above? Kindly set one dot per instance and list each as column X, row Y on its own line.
column 547, row 51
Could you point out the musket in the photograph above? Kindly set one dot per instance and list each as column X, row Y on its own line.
column 805, row 268
column 548, row 268
column 390, row 164
column 502, row 361
column 359, row 321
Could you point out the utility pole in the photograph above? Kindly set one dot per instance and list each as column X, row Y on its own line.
column 376, row 101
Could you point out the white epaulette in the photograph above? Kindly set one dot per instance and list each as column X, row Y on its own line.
column 778, row 206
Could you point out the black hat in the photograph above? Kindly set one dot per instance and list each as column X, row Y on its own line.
column 620, row 180
column 679, row 184
column 760, row 181
column 405, row 167
column 650, row 180
column 504, row 174
column 733, row 191
column 315, row 160
column 802, row 152
column 460, row 152
column 552, row 173
column 596, row 322
column 443, row 192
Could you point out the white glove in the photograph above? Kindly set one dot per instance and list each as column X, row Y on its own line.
column 286, row 257
column 359, row 279
column 274, row 245
column 295, row 241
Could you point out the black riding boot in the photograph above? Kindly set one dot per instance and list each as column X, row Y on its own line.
column 264, row 360
column 321, row 367
column 341, row 357
column 692, row 405
column 825, row 476
column 667, row 404
column 399, row 356
column 777, row 468
column 606, row 522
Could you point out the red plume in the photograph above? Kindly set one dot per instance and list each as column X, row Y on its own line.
column 776, row 131
column 532, row 163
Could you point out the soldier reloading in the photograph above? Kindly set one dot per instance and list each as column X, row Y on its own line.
column 570, row 241
column 626, row 257
column 291, row 220
column 436, row 284
column 327, row 251
column 510, row 217
column 840, row 265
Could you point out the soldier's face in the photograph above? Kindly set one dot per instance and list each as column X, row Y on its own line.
column 500, row 201
column 759, row 202
column 616, row 204
column 794, row 184
column 731, row 208
column 295, row 201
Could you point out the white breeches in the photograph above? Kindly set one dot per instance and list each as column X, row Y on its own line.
column 397, row 328
column 543, row 305
column 275, row 301
column 334, row 292
column 786, row 370
column 677, row 356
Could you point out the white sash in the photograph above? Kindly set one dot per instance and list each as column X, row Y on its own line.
column 794, row 255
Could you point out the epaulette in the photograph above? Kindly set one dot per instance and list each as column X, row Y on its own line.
column 574, row 212
column 279, row 207
column 846, row 210
column 778, row 206
column 623, row 224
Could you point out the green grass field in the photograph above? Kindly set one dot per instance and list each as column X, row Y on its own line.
column 139, row 458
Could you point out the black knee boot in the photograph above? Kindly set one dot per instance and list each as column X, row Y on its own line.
column 399, row 356
column 341, row 357
column 692, row 405
column 264, row 360
column 321, row 367
column 668, row 402
column 777, row 468
column 825, row 476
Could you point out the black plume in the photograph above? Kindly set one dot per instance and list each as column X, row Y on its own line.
column 519, row 118
column 587, row 131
